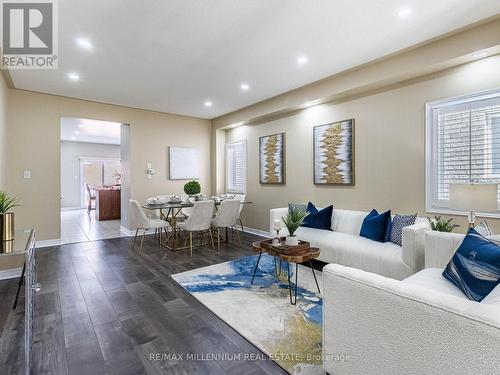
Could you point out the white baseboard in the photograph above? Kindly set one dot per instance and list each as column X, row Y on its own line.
column 127, row 231
column 10, row 274
column 48, row 243
column 257, row 232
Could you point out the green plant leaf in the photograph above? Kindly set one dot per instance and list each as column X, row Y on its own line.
column 192, row 188
column 441, row 225
column 7, row 202
column 293, row 220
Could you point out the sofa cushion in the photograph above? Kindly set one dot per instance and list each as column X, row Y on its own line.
column 475, row 267
column 321, row 219
column 376, row 226
column 347, row 221
column 433, row 279
column 359, row 252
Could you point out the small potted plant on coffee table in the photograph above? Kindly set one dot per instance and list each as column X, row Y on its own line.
column 193, row 189
column 292, row 221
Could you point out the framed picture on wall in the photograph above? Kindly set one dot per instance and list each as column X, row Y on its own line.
column 272, row 159
column 333, row 147
column 184, row 163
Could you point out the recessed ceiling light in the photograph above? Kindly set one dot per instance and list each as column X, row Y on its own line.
column 73, row 138
column 245, row 86
column 76, row 132
column 73, row 76
column 480, row 55
column 405, row 12
column 208, row 103
column 302, row 60
column 84, row 43
column 81, row 125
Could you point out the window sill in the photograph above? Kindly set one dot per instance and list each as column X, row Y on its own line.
column 447, row 211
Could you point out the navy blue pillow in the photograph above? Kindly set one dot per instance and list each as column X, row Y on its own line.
column 318, row 219
column 376, row 226
column 475, row 267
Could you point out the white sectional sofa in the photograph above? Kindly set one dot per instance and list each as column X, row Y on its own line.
column 343, row 245
column 421, row 325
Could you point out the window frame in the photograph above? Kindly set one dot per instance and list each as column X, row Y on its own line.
column 227, row 145
column 431, row 153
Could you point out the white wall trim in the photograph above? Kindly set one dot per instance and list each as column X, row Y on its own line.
column 257, row 232
column 10, row 274
column 48, row 243
column 447, row 211
column 127, row 231
column 75, row 208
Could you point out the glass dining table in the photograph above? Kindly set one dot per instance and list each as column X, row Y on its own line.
column 172, row 213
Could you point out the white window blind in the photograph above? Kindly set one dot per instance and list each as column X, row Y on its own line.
column 236, row 179
column 463, row 144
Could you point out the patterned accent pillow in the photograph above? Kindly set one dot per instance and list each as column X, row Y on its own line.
column 483, row 229
column 296, row 206
column 399, row 222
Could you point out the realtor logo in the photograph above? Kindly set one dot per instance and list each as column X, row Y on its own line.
column 29, row 34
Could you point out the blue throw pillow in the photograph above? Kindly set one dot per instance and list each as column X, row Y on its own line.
column 318, row 219
column 376, row 227
column 475, row 267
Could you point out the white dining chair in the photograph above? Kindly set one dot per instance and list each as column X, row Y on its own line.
column 199, row 221
column 241, row 198
column 156, row 214
column 144, row 223
column 226, row 217
column 186, row 211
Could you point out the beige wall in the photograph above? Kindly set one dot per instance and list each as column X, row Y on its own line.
column 389, row 146
column 3, row 132
column 34, row 144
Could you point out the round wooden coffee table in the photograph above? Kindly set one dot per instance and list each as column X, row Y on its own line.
column 290, row 254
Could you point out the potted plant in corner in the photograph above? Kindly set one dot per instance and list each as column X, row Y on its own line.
column 193, row 189
column 7, row 202
column 441, row 225
column 292, row 222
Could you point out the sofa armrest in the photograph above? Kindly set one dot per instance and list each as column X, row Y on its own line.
column 440, row 247
column 277, row 214
column 385, row 326
column 413, row 240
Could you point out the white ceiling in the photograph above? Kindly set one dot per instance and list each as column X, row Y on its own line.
column 173, row 55
column 92, row 131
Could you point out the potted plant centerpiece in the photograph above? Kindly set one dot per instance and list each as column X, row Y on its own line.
column 193, row 189
column 7, row 202
column 292, row 222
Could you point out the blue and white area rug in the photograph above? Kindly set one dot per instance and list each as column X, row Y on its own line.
column 262, row 313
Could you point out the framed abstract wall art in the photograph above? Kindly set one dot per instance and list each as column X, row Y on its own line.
column 272, row 159
column 184, row 163
column 333, row 146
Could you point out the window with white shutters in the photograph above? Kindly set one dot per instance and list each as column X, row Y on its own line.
column 463, row 144
column 236, row 171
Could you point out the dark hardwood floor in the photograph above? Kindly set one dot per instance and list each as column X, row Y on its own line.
column 105, row 310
